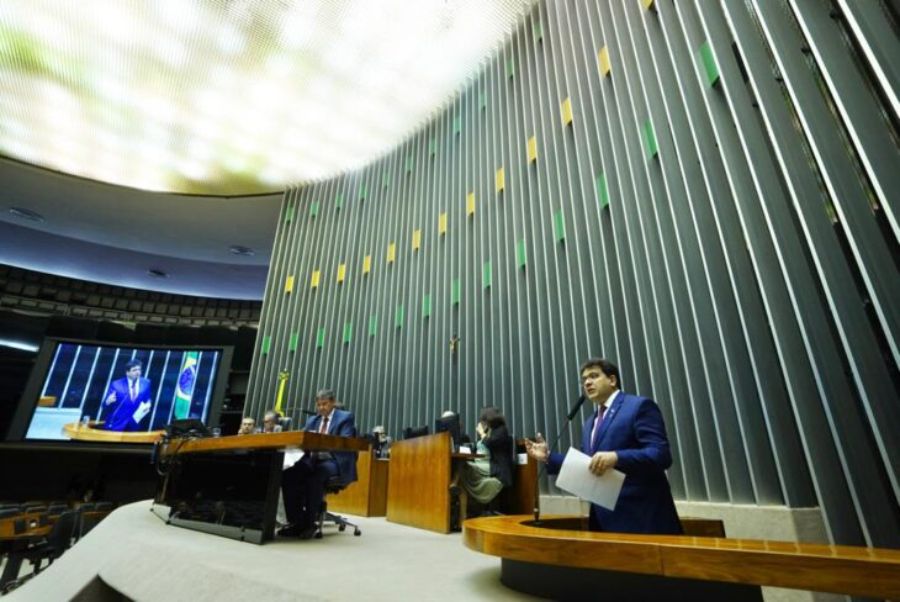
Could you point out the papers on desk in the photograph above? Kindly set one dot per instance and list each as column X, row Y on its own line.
column 291, row 457
column 577, row 478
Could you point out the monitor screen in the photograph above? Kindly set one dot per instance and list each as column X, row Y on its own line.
column 450, row 424
column 88, row 391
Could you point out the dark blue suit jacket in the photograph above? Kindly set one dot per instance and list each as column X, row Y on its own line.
column 120, row 415
column 342, row 425
column 634, row 429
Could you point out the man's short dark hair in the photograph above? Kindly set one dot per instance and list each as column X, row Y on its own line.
column 132, row 364
column 325, row 394
column 607, row 367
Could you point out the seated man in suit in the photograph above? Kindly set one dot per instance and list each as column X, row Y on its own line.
column 128, row 400
column 272, row 422
column 625, row 432
column 303, row 484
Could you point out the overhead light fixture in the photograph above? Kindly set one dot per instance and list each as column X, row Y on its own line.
column 26, row 214
column 241, row 251
column 197, row 97
column 21, row 345
column 155, row 273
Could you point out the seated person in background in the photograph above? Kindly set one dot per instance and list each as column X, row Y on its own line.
column 381, row 442
column 248, row 426
column 272, row 422
column 484, row 478
column 303, row 484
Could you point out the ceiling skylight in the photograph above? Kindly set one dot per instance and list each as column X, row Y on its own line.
column 230, row 97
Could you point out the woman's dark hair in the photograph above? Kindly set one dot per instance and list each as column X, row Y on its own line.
column 492, row 417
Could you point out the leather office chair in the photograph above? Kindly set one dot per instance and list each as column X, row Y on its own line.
column 335, row 485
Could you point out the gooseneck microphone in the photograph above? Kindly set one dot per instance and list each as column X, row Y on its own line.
column 537, row 485
column 575, row 408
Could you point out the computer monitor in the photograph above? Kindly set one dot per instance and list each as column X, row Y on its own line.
column 412, row 432
column 449, row 424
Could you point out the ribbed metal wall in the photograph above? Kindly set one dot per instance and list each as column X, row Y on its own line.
column 719, row 216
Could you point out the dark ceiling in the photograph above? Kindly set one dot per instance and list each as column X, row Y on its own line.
column 113, row 234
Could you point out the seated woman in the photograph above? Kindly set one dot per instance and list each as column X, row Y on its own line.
column 484, row 478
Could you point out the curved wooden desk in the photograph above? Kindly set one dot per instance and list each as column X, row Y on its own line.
column 94, row 432
column 549, row 552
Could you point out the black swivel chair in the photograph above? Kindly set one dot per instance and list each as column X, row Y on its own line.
column 58, row 541
column 335, row 484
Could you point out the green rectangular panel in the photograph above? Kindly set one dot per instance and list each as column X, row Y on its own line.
column 373, row 325
column 510, row 68
column 314, row 209
column 266, row 345
column 339, row 200
column 520, row 254
column 295, row 339
column 559, row 226
column 409, row 164
column 602, row 190
column 320, row 338
column 426, row 306
column 399, row 315
column 482, row 101
column 385, row 180
column 486, row 275
column 348, row 332
column 362, row 191
column 708, row 62
column 454, row 292
column 289, row 214
column 538, row 31
column 650, row 139
column 432, row 146
column 457, row 125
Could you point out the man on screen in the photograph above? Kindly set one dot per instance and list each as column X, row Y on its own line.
column 127, row 403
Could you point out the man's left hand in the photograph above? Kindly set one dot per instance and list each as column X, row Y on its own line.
column 603, row 461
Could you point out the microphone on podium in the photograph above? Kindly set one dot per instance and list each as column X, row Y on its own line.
column 537, row 485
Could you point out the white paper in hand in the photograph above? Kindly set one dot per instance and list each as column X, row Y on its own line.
column 142, row 410
column 291, row 457
column 577, row 478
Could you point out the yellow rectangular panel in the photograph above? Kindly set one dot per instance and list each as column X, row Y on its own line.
column 342, row 272
column 391, row 253
column 417, row 239
column 367, row 264
column 470, row 203
column 442, row 223
column 566, row 110
column 289, row 284
column 500, row 179
column 603, row 60
column 647, row 3
column 532, row 149
column 314, row 281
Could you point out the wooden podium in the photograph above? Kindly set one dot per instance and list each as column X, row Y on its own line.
column 229, row 486
column 368, row 495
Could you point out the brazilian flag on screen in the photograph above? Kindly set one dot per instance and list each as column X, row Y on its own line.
column 187, row 378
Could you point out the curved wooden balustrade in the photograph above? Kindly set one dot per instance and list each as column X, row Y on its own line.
column 857, row 571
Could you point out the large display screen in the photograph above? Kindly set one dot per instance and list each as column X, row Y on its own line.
column 98, row 392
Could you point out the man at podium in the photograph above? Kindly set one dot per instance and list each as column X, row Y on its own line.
column 625, row 432
column 128, row 401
